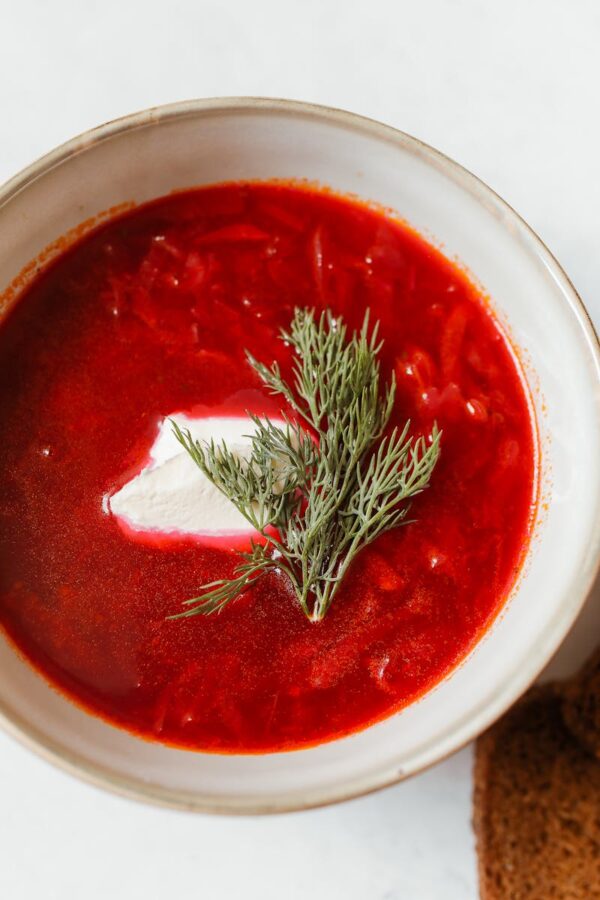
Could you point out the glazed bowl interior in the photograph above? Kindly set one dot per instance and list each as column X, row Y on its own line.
column 191, row 144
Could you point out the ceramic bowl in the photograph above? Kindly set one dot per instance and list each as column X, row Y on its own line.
column 145, row 155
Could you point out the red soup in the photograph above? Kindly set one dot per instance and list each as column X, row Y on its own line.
column 152, row 313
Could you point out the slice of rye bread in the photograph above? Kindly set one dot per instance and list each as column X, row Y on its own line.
column 581, row 705
column 536, row 806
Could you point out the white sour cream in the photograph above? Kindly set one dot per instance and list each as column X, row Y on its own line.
column 171, row 495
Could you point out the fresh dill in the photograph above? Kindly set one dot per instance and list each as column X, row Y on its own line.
column 328, row 482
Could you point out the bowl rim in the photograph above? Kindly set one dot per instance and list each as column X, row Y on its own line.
column 555, row 630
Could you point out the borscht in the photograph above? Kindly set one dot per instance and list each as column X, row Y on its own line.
column 153, row 336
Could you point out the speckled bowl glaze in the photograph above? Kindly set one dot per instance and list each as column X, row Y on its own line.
column 200, row 142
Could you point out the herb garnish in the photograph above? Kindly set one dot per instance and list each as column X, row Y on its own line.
column 321, row 488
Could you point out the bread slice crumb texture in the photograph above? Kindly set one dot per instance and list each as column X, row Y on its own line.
column 536, row 806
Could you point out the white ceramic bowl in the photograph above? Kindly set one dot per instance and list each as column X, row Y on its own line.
column 201, row 142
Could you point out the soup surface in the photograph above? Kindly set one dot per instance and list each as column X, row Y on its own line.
column 151, row 314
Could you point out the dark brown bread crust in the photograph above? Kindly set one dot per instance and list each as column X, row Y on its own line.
column 537, row 806
column 581, row 705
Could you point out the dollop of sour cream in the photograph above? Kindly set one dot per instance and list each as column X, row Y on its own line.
column 172, row 497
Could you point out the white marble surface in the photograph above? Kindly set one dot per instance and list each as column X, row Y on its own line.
column 510, row 90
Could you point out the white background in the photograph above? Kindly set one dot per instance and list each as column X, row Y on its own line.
column 511, row 90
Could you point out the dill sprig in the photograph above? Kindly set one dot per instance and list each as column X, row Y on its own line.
column 329, row 481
